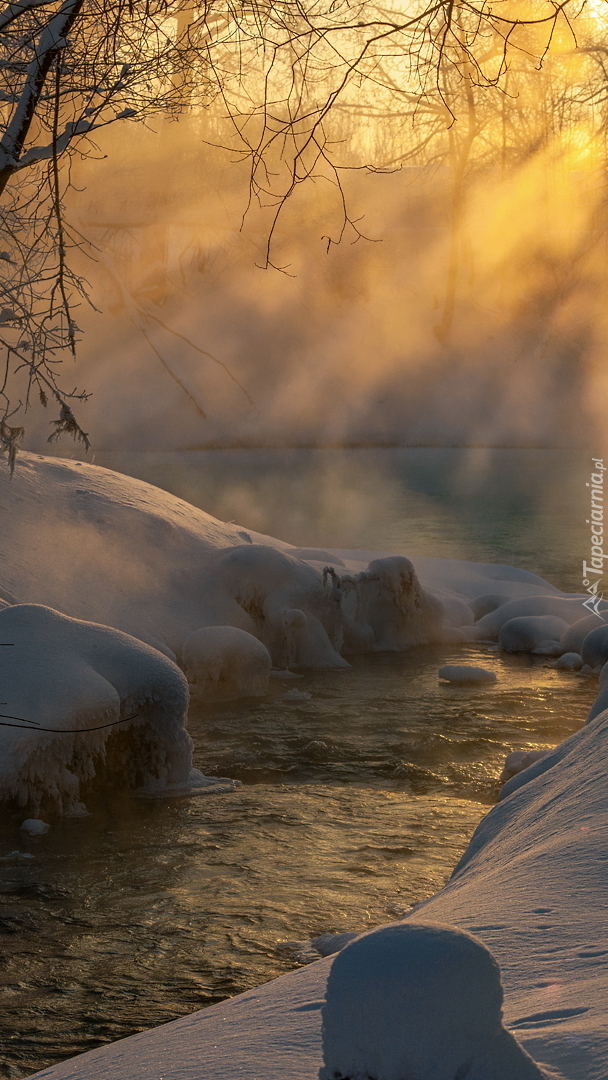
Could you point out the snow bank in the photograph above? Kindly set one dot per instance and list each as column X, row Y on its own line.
column 67, row 674
column 531, row 886
column 130, row 556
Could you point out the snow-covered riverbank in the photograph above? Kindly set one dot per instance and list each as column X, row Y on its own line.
column 531, row 886
column 116, row 551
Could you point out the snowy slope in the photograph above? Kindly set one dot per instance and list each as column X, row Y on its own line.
column 532, row 885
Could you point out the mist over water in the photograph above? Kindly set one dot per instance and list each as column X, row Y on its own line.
column 195, row 345
column 526, row 508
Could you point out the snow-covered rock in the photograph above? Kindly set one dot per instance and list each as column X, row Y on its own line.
column 569, row 661
column 223, row 662
column 563, row 607
column 68, row 675
column 292, row 608
column 420, row 1000
column 35, row 827
column 532, row 633
column 386, row 609
column 594, row 650
column 518, row 760
column 572, row 640
column 465, row 673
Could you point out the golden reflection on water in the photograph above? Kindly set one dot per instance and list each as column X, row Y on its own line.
column 356, row 804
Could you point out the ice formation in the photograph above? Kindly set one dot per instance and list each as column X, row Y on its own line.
column 420, row 1000
column 35, row 827
column 465, row 673
column 67, row 674
column 532, row 633
column 385, row 608
column 223, row 662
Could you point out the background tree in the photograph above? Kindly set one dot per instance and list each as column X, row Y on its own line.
column 286, row 75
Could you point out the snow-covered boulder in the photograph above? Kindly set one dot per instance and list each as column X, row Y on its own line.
column 567, row 608
column 594, row 650
column 518, row 760
column 68, row 675
column 386, row 609
column 457, row 612
column 532, row 633
column 576, row 633
column 291, row 607
column 223, row 662
column 569, row 661
column 465, row 673
column 420, row 1000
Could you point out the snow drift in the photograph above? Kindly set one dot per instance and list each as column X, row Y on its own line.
column 70, row 675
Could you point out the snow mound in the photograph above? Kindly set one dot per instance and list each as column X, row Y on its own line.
column 568, row 661
column 594, row 650
column 567, row 608
column 223, row 662
column 419, row 1000
column 66, row 674
column 572, row 640
column 35, row 827
column 465, row 673
column 533, row 633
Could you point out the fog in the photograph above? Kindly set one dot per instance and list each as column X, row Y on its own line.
column 195, row 344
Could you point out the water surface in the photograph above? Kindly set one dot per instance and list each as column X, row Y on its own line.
column 356, row 801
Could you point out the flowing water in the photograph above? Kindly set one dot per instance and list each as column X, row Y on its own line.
column 357, row 800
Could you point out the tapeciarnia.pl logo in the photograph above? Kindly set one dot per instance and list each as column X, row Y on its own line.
column 595, row 568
